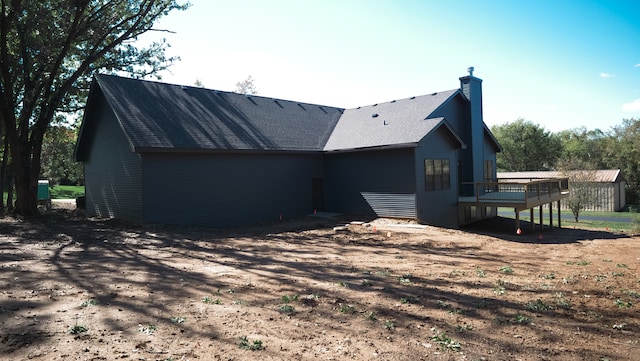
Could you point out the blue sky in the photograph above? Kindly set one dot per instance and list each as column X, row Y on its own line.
column 560, row 64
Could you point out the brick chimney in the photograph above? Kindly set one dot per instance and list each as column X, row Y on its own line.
column 472, row 89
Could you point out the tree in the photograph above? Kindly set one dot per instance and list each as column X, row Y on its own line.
column 623, row 151
column 582, row 176
column 247, row 86
column 582, row 146
column 526, row 147
column 57, row 156
column 49, row 49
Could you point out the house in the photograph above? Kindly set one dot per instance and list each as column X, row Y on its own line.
column 171, row 154
column 608, row 186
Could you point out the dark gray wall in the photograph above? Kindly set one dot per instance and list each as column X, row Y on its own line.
column 374, row 183
column 112, row 169
column 227, row 189
column 438, row 207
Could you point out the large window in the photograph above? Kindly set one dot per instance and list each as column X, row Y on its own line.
column 488, row 171
column 437, row 174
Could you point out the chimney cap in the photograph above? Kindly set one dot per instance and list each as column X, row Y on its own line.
column 470, row 70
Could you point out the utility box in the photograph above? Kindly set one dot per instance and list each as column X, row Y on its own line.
column 44, row 195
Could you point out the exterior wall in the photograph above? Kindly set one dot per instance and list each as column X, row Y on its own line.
column 609, row 197
column 112, row 171
column 221, row 190
column 437, row 207
column 379, row 183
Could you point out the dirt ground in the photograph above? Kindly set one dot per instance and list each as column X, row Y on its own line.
column 78, row 289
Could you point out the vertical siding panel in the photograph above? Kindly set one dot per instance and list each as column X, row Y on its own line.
column 374, row 183
column 440, row 207
column 112, row 171
column 227, row 189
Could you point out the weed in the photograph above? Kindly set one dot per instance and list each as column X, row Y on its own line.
column 287, row 309
column 482, row 304
column 464, row 328
column 287, row 298
column 231, row 291
column 601, row 278
column 445, row 341
column 371, row 316
column 506, row 269
column 581, row 263
column 405, row 278
column 455, row 273
column 178, row 319
column 366, row 283
column 409, row 299
column 89, row 303
column 149, row 329
column 254, row 345
column 346, row 308
column 389, row 325
column 480, row 273
column 538, row 305
column 384, row 272
column 343, row 284
column 499, row 289
column 442, row 304
column 77, row 329
column 633, row 294
column 549, row 276
column 621, row 265
column 521, row 319
column 617, row 274
column 210, row 300
column 622, row 304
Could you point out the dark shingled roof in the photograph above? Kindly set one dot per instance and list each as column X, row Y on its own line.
column 159, row 116
column 399, row 122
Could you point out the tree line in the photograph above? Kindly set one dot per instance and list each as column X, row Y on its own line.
column 530, row 147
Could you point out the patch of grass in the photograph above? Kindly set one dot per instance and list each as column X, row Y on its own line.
column 178, row 319
column 389, row 325
column 506, row 269
column 409, row 299
column 500, row 289
column 464, row 328
column 371, row 316
column 288, row 299
column 345, row 308
column 343, row 284
column 77, row 329
column 633, row 294
column 549, row 276
column 622, row 304
column 148, row 329
column 522, row 319
column 580, row 263
column 366, row 283
column 254, row 345
column 287, row 309
column 89, row 303
column 210, row 300
column 444, row 341
column 443, row 304
column 480, row 273
column 538, row 305
column 405, row 278
column 66, row 192
column 384, row 272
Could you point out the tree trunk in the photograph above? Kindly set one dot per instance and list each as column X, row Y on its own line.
column 3, row 171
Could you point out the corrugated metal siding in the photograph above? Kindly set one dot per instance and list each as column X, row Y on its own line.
column 112, row 171
column 438, row 208
column 377, row 183
column 227, row 189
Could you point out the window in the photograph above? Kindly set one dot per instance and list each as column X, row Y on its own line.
column 437, row 174
column 488, row 171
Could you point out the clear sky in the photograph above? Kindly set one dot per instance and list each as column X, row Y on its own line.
column 560, row 64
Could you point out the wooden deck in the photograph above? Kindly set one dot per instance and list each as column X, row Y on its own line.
column 519, row 194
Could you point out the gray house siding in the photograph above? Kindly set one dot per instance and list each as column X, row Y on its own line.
column 374, row 183
column 437, row 207
column 227, row 189
column 112, row 170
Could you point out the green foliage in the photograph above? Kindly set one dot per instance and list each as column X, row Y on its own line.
column 445, row 341
column 66, row 192
column 254, row 345
column 50, row 51
column 526, row 146
column 58, row 165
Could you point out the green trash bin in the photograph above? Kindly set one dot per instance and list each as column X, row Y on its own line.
column 44, row 195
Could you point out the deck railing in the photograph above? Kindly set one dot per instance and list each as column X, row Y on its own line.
column 520, row 189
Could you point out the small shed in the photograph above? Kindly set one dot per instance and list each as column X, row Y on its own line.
column 609, row 185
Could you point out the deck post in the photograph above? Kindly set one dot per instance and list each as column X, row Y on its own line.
column 559, row 215
column 517, row 219
column 550, row 215
column 533, row 221
column 541, row 220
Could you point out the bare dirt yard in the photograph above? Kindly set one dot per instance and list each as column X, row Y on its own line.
column 78, row 289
